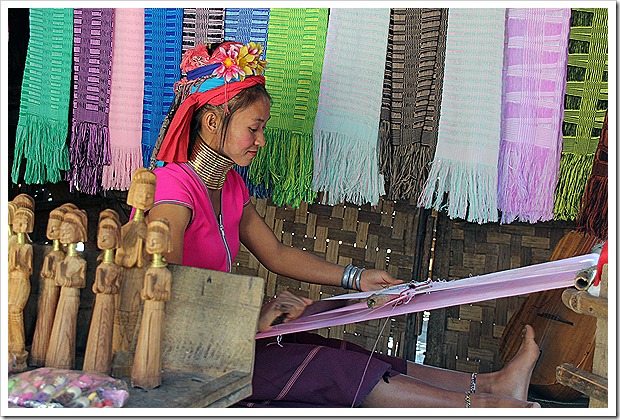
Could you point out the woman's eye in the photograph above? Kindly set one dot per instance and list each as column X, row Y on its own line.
column 253, row 130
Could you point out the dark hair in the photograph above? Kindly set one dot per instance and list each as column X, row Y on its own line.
column 242, row 100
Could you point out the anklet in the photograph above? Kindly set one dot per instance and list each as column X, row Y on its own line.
column 472, row 385
column 467, row 400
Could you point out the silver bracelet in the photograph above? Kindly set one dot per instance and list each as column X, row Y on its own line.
column 472, row 385
column 351, row 278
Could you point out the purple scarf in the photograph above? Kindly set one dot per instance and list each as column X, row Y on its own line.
column 89, row 148
column 534, row 79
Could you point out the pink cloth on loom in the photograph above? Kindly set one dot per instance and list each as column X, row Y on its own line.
column 203, row 246
column 534, row 81
column 126, row 94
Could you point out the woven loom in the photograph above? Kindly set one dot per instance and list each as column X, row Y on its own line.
column 584, row 107
column 466, row 337
column 382, row 237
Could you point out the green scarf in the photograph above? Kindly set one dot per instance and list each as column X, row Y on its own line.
column 585, row 107
column 293, row 76
column 43, row 125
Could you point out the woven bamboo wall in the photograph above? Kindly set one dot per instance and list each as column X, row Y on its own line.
column 384, row 237
column 466, row 337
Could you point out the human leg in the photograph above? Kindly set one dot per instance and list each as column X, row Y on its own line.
column 513, row 380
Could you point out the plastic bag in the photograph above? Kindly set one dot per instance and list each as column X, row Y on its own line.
column 57, row 388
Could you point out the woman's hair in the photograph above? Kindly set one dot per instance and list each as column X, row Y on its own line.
column 242, row 100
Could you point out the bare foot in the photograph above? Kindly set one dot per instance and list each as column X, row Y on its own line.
column 514, row 379
column 499, row 401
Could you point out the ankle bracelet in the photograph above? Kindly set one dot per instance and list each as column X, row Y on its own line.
column 472, row 385
column 467, row 400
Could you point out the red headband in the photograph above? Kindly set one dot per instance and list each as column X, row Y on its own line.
column 175, row 144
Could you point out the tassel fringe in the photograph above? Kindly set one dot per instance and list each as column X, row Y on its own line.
column 285, row 166
column 123, row 163
column 471, row 191
column 43, row 143
column 527, row 180
column 574, row 173
column 411, row 168
column 354, row 176
column 89, row 150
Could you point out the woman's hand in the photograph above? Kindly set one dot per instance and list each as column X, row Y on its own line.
column 284, row 303
column 377, row 280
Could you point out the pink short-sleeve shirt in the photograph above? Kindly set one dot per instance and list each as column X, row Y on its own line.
column 209, row 243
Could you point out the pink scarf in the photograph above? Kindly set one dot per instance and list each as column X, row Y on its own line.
column 127, row 89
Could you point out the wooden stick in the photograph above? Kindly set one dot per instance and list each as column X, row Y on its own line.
column 583, row 381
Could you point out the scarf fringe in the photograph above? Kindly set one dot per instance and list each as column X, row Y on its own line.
column 471, row 191
column 352, row 176
column 285, row 165
column 123, row 163
column 410, row 171
column 385, row 151
column 257, row 191
column 43, row 143
column 574, row 173
column 89, row 149
column 527, row 178
column 593, row 215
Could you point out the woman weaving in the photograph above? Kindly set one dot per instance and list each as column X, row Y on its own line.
column 216, row 121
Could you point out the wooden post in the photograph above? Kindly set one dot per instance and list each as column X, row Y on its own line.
column 98, row 356
column 601, row 346
column 71, row 277
column 49, row 291
column 146, row 370
column 132, row 257
column 20, row 269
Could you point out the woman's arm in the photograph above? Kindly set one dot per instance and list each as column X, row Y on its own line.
column 295, row 263
column 179, row 217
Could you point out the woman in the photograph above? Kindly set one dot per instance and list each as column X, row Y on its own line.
column 218, row 122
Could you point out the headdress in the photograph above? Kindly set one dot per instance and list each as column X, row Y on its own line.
column 211, row 79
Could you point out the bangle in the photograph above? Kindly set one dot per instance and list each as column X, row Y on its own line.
column 351, row 278
column 472, row 385
column 467, row 400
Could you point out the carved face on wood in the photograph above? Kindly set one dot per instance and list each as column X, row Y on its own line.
column 158, row 237
column 54, row 222
column 73, row 227
column 109, row 234
column 141, row 193
column 23, row 221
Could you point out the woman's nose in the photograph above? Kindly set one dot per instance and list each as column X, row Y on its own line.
column 260, row 139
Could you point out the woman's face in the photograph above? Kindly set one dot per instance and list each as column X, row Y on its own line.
column 246, row 132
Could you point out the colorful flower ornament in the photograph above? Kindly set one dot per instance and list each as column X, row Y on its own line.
column 235, row 61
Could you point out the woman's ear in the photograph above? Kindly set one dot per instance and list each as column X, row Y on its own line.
column 210, row 121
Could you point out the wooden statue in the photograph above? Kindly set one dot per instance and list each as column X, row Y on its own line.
column 71, row 277
column 132, row 257
column 20, row 269
column 146, row 370
column 12, row 208
column 48, row 290
column 98, row 357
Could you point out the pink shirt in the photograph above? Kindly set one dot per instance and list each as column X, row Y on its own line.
column 208, row 243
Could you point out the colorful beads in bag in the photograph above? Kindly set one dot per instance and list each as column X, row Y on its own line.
column 57, row 388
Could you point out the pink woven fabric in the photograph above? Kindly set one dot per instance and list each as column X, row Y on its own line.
column 126, row 94
column 534, row 80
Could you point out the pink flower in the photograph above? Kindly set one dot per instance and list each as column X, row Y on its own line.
column 194, row 58
column 229, row 68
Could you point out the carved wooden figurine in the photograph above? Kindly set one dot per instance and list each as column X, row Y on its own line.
column 12, row 208
column 20, row 269
column 132, row 256
column 48, row 290
column 71, row 277
column 98, row 357
column 24, row 200
column 146, row 370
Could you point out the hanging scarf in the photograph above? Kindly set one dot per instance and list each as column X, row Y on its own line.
column 189, row 30
column 89, row 148
column 465, row 163
column 202, row 26
column 594, row 206
column 293, row 81
column 411, row 98
column 346, row 127
column 163, row 36
column 249, row 25
column 126, row 92
column 585, row 107
column 42, row 128
column 534, row 80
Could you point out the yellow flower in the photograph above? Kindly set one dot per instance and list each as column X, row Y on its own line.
column 245, row 61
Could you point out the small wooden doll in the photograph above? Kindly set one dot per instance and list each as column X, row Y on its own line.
column 48, row 291
column 71, row 277
column 132, row 257
column 20, row 269
column 98, row 357
column 24, row 200
column 12, row 208
column 146, row 370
